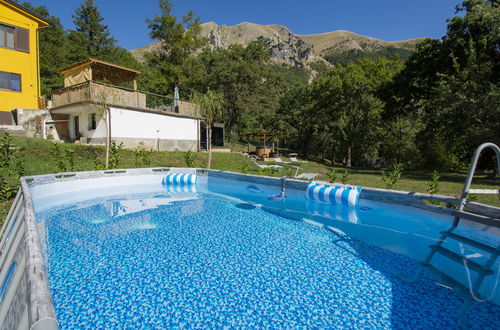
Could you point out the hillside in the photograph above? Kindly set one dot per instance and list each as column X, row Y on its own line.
column 287, row 47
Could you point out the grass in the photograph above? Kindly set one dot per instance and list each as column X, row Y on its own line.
column 39, row 160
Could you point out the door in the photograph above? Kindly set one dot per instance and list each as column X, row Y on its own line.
column 76, row 120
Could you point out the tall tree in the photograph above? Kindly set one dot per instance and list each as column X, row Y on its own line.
column 178, row 41
column 209, row 106
column 453, row 85
column 251, row 87
column 346, row 103
column 53, row 50
column 94, row 36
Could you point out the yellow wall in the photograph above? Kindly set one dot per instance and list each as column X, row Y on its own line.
column 25, row 64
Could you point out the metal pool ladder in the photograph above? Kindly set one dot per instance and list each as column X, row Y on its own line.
column 468, row 293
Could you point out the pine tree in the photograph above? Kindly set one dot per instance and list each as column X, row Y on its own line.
column 94, row 35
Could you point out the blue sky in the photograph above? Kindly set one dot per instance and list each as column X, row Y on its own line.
column 385, row 19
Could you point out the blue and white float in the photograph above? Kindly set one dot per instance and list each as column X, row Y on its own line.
column 332, row 194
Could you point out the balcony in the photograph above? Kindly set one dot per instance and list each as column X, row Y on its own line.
column 119, row 97
column 91, row 91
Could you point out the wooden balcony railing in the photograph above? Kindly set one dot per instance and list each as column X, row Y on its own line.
column 98, row 92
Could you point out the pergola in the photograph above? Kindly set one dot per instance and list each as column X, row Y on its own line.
column 263, row 136
column 92, row 69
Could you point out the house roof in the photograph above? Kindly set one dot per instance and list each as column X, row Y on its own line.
column 102, row 70
column 40, row 19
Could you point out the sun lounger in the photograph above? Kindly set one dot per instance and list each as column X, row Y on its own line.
column 265, row 166
column 280, row 161
column 307, row 176
column 295, row 160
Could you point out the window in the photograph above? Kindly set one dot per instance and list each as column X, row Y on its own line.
column 92, row 122
column 14, row 38
column 10, row 81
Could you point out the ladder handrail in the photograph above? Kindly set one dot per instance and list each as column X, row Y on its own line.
column 472, row 170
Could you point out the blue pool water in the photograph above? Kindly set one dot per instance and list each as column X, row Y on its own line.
column 160, row 258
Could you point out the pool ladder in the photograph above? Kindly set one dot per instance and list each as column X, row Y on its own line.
column 468, row 293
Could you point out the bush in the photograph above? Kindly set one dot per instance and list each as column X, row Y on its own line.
column 114, row 154
column 190, row 158
column 392, row 176
column 142, row 156
column 345, row 176
column 332, row 175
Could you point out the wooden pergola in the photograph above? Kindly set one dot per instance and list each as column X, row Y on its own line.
column 93, row 69
column 263, row 136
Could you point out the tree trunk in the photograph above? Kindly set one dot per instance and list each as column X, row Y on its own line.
column 348, row 157
column 209, row 145
column 108, row 137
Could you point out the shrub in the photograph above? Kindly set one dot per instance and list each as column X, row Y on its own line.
column 392, row 176
column 345, row 176
column 332, row 175
column 434, row 184
column 70, row 157
column 114, row 154
column 190, row 158
column 142, row 156
column 58, row 156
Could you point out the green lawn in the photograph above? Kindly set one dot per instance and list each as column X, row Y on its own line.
column 39, row 160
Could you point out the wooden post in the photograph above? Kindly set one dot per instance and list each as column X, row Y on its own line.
column 278, row 145
column 136, row 92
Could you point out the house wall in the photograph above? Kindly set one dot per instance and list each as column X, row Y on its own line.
column 20, row 62
column 156, row 131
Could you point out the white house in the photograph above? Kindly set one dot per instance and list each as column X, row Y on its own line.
column 134, row 117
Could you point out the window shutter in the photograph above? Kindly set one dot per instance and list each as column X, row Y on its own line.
column 22, row 37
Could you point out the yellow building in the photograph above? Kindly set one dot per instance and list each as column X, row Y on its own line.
column 19, row 60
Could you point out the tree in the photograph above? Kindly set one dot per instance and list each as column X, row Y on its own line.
column 178, row 41
column 209, row 106
column 53, row 50
column 295, row 117
column 250, row 85
column 452, row 86
column 104, row 97
column 90, row 33
column 345, row 102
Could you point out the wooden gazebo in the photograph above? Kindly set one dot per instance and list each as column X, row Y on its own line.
column 263, row 150
column 97, row 70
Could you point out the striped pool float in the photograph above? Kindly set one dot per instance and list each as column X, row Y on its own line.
column 177, row 188
column 179, row 179
column 335, row 195
column 334, row 212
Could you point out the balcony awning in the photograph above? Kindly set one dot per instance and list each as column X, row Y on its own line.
column 92, row 69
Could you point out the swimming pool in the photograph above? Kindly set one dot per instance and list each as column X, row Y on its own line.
column 127, row 251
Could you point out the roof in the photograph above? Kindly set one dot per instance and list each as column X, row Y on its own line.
column 32, row 14
column 92, row 61
column 102, row 70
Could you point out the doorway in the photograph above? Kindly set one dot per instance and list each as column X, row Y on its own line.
column 76, row 125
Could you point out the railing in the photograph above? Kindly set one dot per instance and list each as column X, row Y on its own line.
column 92, row 91
column 97, row 92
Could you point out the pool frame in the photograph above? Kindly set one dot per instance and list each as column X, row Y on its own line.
column 27, row 300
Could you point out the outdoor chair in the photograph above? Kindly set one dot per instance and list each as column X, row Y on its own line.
column 307, row 176
column 295, row 160
column 265, row 166
column 280, row 161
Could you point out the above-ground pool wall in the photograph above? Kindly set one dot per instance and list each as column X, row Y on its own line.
column 26, row 301
column 169, row 131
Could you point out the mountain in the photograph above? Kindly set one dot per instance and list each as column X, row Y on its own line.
column 344, row 46
column 286, row 47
